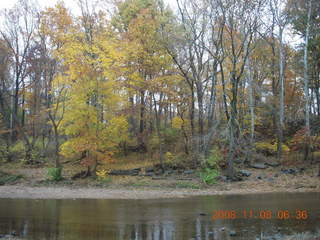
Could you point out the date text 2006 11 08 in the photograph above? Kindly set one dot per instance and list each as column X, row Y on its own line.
column 259, row 214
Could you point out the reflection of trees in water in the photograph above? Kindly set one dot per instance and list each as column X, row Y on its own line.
column 165, row 230
column 33, row 219
column 199, row 229
column 113, row 220
column 157, row 230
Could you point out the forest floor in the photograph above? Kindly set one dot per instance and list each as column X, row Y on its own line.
column 34, row 183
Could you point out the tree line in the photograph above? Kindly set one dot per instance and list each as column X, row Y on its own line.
column 140, row 76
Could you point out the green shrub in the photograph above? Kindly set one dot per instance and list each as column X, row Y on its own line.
column 213, row 160
column 17, row 148
column 210, row 166
column 209, row 176
column 55, row 174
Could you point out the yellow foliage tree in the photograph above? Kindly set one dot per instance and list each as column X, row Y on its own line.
column 92, row 121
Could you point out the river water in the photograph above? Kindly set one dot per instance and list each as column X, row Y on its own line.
column 206, row 217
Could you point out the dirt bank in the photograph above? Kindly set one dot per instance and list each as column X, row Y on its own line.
column 34, row 183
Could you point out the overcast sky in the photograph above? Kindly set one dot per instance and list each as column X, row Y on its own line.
column 42, row 3
column 71, row 4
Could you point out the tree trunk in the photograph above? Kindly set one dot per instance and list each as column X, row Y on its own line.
column 224, row 93
column 15, row 112
column 233, row 126
column 306, row 85
column 281, row 103
column 186, row 138
column 57, row 146
column 251, row 102
column 142, row 123
column 93, row 167
column 193, row 137
column 158, row 124
column 211, row 112
column 200, row 120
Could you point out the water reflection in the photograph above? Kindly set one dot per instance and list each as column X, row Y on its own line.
column 164, row 219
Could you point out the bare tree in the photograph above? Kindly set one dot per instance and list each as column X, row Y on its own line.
column 241, row 23
column 279, row 17
column 198, row 58
column 18, row 32
column 306, row 81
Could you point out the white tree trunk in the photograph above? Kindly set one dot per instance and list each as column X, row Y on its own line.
column 251, row 100
column 306, row 81
column 281, row 78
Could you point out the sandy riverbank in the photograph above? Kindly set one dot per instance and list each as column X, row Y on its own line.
column 105, row 193
column 34, row 184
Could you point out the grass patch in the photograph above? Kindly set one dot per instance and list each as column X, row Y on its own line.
column 6, row 178
column 136, row 184
column 133, row 181
column 103, row 182
column 49, row 182
column 142, row 183
column 190, row 185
